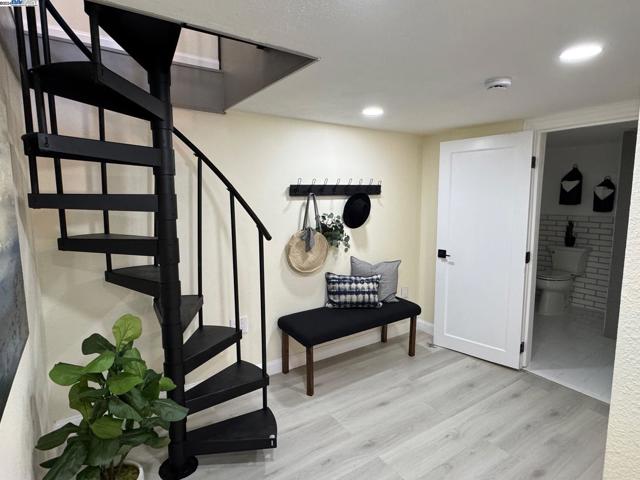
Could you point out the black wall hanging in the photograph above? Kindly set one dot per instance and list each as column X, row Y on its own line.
column 604, row 195
column 337, row 189
column 571, row 187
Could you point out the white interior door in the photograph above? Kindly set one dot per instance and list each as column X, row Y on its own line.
column 483, row 210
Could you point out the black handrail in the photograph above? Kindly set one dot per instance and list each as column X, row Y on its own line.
column 263, row 230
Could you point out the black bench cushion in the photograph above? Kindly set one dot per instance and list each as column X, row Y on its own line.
column 320, row 325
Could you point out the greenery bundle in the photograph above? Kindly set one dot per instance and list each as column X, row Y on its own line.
column 333, row 230
column 119, row 400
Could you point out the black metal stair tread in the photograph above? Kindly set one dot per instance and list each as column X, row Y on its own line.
column 110, row 243
column 94, row 84
column 251, row 431
column 89, row 201
column 74, row 148
column 206, row 343
column 190, row 305
column 142, row 278
column 234, row 381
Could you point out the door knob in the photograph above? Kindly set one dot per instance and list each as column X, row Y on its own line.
column 442, row 253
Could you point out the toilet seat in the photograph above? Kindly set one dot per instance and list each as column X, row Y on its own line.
column 554, row 275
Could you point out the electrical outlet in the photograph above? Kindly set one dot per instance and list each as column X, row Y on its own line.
column 244, row 323
column 404, row 292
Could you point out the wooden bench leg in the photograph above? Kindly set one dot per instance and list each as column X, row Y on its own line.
column 412, row 337
column 310, row 371
column 383, row 334
column 285, row 353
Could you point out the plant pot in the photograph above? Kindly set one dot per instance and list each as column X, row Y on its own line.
column 138, row 466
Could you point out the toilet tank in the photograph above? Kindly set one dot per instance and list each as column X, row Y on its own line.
column 569, row 259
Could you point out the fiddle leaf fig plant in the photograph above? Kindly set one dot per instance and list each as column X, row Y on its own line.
column 333, row 230
column 118, row 397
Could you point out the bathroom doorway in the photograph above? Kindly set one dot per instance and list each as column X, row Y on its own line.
column 584, row 211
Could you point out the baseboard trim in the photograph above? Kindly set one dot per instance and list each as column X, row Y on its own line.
column 425, row 326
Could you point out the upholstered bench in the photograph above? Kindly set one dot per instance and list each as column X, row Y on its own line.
column 320, row 325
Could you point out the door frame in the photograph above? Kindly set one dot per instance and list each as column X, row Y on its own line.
column 541, row 126
column 511, row 356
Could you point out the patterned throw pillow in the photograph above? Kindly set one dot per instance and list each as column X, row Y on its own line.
column 350, row 291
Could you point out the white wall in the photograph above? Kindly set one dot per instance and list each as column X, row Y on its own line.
column 594, row 161
column 26, row 413
column 623, row 439
column 261, row 155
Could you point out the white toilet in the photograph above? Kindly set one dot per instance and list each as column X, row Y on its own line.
column 555, row 285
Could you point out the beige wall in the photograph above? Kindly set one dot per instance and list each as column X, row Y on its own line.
column 26, row 415
column 261, row 155
column 623, row 440
column 429, row 201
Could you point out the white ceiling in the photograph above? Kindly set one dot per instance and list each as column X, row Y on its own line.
column 610, row 133
column 425, row 61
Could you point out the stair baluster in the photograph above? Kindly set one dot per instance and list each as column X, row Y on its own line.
column 200, row 312
column 53, row 117
column 263, row 317
column 104, row 186
column 26, row 96
column 234, row 259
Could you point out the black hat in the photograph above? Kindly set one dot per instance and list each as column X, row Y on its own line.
column 356, row 210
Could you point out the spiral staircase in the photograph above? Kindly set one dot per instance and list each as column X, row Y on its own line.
column 151, row 43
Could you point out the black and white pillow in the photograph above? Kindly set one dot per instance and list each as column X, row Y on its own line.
column 350, row 291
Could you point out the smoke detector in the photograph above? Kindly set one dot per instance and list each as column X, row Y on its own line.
column 497, row 83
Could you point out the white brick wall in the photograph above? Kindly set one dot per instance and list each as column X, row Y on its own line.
column 590, row 289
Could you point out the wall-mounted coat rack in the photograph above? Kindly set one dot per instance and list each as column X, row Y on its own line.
column 337, row 189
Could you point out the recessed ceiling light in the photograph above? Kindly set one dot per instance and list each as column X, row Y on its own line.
column 580, row 52
column 372, row 111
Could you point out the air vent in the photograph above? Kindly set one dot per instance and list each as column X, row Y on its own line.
column 498, row 83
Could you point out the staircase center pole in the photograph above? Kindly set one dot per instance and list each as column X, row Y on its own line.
column 179, row 464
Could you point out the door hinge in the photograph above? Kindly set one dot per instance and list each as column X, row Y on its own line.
column 527, row 257
column 521, row 347
column 533, row 162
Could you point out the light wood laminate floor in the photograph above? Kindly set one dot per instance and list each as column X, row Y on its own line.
column 380, row 415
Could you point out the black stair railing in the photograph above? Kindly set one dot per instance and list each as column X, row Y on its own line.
column 200, row 154
column 41, row 114
column 51, row 101
column 26, row 96
column 263, row 234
